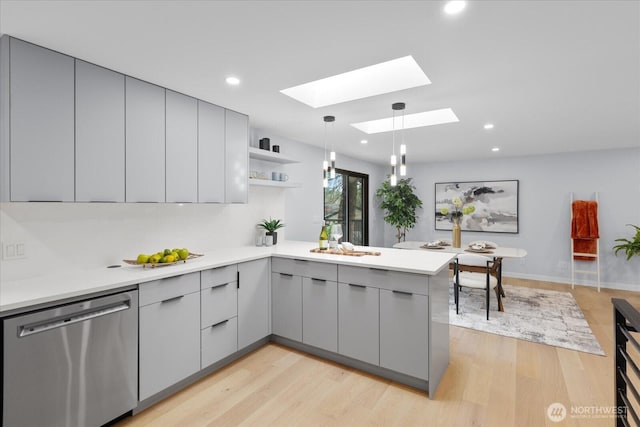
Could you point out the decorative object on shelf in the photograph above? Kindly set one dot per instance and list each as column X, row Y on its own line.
column 326, row 169
column 275, row 148
column 265, row 144
column 495, row 205
column 399, row 203
column 630, row 247
column 393, row 179
column 271, row 225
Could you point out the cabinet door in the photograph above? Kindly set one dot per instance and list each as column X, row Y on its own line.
column 286, row 305
column 99, row 134
column 211, row 153
column 236, row 156
column 145, row 143
column 254, row 317
column 358, row 322
column 182, row 148
column 404, row 333
column 169, row 342
column 42, row 130
column 320, row 313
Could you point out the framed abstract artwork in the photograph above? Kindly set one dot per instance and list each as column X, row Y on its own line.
column 490, row 206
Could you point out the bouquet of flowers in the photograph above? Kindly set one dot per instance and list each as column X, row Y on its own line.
column 459, row 208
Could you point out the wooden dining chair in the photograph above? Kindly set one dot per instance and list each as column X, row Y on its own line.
column 477, row 272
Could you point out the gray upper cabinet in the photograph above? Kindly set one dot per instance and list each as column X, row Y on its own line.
column 236, row 157
column 99, row 127
column 42, row 130
column 182, row 148
column 211, row 158
column 145, row 143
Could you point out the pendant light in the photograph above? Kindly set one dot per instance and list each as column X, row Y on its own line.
column 393, row 179
column 326, row 170
column 403, row 150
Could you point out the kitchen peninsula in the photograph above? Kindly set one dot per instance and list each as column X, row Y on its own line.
column 387, row 314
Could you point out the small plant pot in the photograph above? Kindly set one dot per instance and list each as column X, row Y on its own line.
column 274, row 234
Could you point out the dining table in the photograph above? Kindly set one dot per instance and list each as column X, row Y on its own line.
column 498, row 253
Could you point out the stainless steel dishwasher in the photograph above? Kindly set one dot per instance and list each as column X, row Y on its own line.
column 72, row 365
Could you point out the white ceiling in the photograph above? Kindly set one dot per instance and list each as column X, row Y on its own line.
column 553, row 76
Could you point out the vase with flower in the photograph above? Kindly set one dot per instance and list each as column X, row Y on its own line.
column 459, row 208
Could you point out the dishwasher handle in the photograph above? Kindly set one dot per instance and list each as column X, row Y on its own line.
column 82, row 316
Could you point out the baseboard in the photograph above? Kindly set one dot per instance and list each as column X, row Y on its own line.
column 567, row 281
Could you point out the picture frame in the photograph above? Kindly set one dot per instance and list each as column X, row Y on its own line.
column 494, row 205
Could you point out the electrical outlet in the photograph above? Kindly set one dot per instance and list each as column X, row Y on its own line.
column 14, row 250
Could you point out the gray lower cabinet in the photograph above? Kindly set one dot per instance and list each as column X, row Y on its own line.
column 254, row 301
column 359, row 322
column 99, row 126
column 286, row 305
column 404, row 332
column 219, row 313
column 181, row 148
column 211, row 153
column 41, row 123
column 169, row 332
column 320, row 313
column 145, row 141
column 236, row 157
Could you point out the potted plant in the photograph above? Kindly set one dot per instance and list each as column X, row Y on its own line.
column 399, row 204
column 271, row 226
column 630, row 247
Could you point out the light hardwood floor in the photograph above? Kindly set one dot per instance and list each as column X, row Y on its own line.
column 491, row 381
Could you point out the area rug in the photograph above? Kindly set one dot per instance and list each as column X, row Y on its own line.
column 538, row 315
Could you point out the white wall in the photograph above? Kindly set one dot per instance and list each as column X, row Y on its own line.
column 304, row 205
column 89, row 235
column 544, row 209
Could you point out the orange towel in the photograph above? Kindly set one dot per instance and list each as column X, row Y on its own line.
column 584, row 228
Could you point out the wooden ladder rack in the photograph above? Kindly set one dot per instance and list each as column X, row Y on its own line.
column 596, row 256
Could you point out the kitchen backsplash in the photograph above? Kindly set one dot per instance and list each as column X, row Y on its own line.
column 87, row 235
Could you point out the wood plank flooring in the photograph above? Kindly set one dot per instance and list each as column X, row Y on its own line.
column 491, row 381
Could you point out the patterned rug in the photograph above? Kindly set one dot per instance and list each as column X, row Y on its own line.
column 538, row 315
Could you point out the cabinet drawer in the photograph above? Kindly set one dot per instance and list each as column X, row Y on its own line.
column 218, row 276
column 218, row 303
column 171, row 287
column 299, row 267
column 384, row 279
column 219, row 341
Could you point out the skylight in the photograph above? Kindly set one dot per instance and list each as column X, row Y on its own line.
column 386, row 77
column 416, row 120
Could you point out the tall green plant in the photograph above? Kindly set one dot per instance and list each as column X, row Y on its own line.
column 399, row 204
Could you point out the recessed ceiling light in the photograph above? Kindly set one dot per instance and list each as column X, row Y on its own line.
column 233, row 81
column 416, row 120
column 488, row 126
column 453, row 7
column 386, row 77
column 364, row 141
column 495, row 149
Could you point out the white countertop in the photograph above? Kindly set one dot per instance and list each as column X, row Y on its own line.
column 20, row 294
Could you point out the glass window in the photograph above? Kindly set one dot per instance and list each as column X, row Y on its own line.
column 345, row 202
